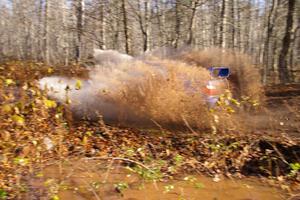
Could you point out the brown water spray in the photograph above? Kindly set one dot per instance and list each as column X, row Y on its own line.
column 158, row 90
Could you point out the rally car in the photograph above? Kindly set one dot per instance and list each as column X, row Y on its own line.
column 217, row 85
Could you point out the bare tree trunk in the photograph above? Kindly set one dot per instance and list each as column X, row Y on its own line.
column 270, row 25
column 177, row 24
column 79, row 27
column 284, row 75
column 65, row 33
column 295, row 58
column 125, row 24
column 192, row 22
column 238, row 22
column 144, row 22
column 46, row 33
column 116, row 35
column 148, row 13
column 103, row 26
column 232, row 21
column 222, row 24
column 214, row 23
column 163, row 25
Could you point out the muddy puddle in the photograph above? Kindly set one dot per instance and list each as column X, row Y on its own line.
column 91, row 180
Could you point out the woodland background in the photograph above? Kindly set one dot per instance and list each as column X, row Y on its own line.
column 64, row 31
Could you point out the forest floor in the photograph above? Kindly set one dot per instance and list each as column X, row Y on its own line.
column 45, row 155
column 284, row 102
column 281, row 112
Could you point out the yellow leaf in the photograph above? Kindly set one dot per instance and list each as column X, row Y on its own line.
column 9, row 81
column 55, row 197
column 49, row 182
column 40, row 174
column 68, row 101
column 234, row 101
column 6, row 108
column 18, row 119
column 230, row 110
column 78, row 85
column 84, row 140
column 49, row 103
column 50, row 70
column 89, row 133
column 255, row 103
column 21, row 161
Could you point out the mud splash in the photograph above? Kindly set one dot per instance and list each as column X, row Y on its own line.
column 153, row 90
column 160, row 90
